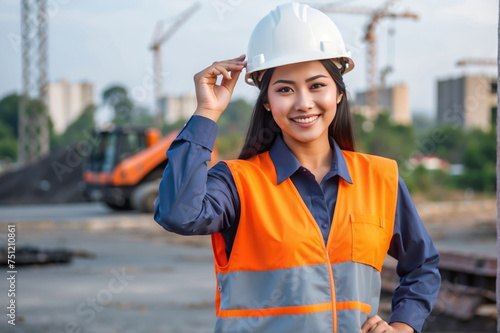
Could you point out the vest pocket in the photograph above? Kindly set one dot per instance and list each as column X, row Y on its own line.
column 370, row 239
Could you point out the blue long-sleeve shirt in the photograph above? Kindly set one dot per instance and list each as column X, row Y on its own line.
column 194, row 201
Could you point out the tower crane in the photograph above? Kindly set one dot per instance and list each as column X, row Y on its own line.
column 160, row 36
column 371, row 38
column 477, row 61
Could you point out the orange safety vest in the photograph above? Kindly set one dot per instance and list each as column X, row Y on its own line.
column 280, row 276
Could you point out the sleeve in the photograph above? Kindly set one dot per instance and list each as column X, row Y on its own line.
column 193, row 200
column 417, row 266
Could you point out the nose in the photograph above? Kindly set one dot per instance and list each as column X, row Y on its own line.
column 303, row 100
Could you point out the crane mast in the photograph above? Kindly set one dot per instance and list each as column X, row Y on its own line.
column 33, row 120
column 160, row 37
column 371, row 39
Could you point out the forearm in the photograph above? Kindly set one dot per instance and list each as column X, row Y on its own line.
column 183, row 205
column 414, row 299
column 418, row 262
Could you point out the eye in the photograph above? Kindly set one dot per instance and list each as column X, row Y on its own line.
column 318, row 85
column 284, row 89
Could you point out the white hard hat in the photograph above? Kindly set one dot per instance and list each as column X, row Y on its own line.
column 294, row 33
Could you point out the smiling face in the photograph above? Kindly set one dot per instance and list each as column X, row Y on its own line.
column 303, row 100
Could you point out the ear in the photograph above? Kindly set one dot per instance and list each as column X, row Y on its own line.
column 339, row 97
column 267, row 106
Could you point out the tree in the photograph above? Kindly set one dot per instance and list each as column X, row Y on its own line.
column 233, row 125
column 386, row 138
column 117, row 98
column 479, row 161
column 142, row 117
column 9, row 109
column 167, row 128
column 8, row 143
column 454, row 139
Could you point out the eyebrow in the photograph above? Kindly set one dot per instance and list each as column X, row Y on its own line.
column 307, row 80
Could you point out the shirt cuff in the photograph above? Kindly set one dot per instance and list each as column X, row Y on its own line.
column 410, row 314
column 200, row 130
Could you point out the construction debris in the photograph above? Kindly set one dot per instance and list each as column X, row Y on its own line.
column 56, row 178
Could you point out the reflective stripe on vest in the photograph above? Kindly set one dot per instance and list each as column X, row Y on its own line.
column 281, row 277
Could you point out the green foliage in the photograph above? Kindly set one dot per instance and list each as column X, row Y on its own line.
column 117, row 98
column 449, row 142
column 79, row 130
column 125, row 111
column 422, row 124
column 382, row 137
column 8, row 143
column 361, row 136
column 236, row 116
column 233, row 126
column 142, row 117
column 167, row 128
column 55, row 140
column 479, row 161
column 475, row 149
column 9, row 110
column 9, row 127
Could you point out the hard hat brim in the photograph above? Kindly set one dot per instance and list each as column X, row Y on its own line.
column 283, row 62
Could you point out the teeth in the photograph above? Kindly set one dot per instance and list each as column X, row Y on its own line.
column 306, row 120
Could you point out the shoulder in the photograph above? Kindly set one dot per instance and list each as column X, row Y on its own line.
column 363, row 158
column 362, row 165
column 258, row 161
column 259, row 167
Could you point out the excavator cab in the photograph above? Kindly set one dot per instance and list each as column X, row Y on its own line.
column 125, row 166
column 111, row 146
column 118, row 164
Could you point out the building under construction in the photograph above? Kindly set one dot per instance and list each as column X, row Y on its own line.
column 394, row 100
column 469, row 101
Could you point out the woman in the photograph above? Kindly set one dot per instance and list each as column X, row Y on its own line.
column 300, row 223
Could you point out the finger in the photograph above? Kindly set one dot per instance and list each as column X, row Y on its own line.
column 382, row 326
column 369, row 323
column 226, row 69
column 224, row 72
column 237, row 59
column 209, row 74
column 240, row 58
column 230, row 83
column 231, row 65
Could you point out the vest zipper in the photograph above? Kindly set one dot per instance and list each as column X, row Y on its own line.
column 332, row 287
column 325, row 248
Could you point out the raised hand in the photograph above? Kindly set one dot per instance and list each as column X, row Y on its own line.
column 212, row 98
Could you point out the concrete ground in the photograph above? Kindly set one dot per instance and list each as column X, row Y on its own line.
column 144, row 279
column 139, row 280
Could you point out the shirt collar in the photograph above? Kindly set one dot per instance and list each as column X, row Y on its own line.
column 286, row 164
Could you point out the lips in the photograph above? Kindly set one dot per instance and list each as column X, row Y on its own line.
column 305, row 119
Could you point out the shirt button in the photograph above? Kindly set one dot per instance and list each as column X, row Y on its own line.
column 219, row 288
column 304, row 169
column 325, row 225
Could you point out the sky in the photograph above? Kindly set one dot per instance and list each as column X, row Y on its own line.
column 107, row 42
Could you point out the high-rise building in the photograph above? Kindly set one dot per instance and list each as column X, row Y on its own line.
column 66, row 102
column 394, row 100
column 469, row 101
column 178, row 107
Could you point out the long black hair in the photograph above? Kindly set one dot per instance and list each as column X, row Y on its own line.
column 263, row 130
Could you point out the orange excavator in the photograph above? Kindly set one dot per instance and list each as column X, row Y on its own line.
column 125, row 166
